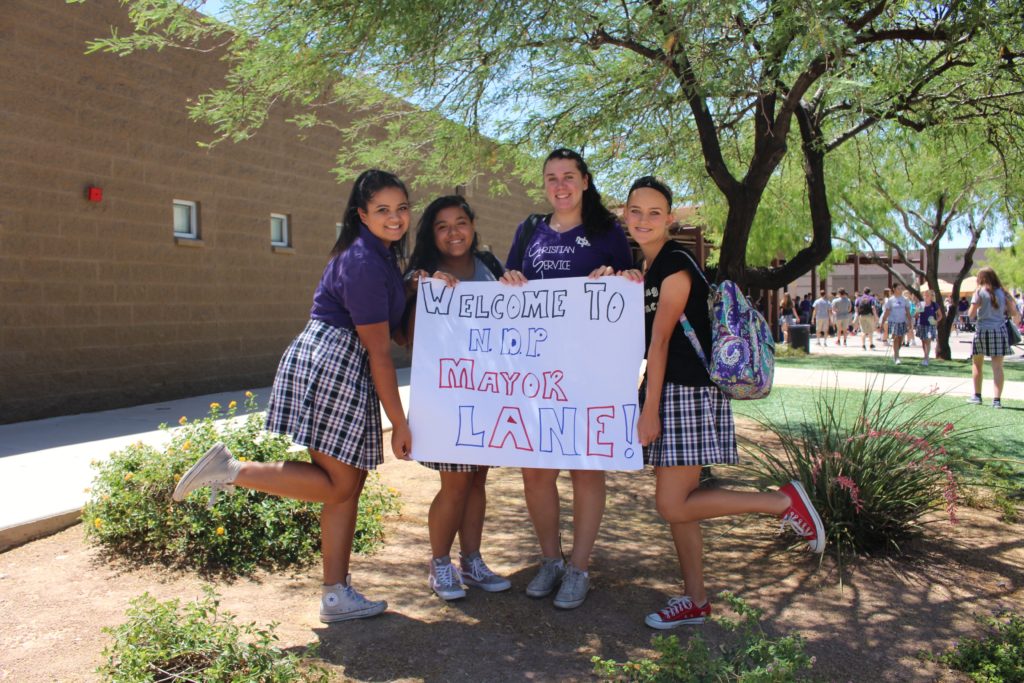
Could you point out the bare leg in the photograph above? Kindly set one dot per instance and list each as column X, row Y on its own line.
column 338, row 528
column 926, row 346
column 325, row 480
column 588, row 499
column 897, row 343
column 541, row 491
column 977, row 372
column 997, row 376
column 446, row 511
column 472, row 529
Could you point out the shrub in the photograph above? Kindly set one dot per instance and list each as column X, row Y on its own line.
column 994, row 658
column 163, row 642
column 750, row 655
column 873, row 464
column 131, row 514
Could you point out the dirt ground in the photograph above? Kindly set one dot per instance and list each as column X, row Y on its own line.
column 57, row 593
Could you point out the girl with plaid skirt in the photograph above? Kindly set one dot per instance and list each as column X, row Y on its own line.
column 328, row 385
column 685, row 421
column 446, row 245
column 928, row 317
column 991, row 305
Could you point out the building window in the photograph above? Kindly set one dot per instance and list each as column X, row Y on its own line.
column 186, row 219
column 279, row 234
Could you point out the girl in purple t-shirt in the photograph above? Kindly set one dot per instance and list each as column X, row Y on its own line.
column 928, row 317
column 579, row 238
column 327, row 387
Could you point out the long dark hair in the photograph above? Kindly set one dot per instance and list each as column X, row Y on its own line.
column 596, row 218
column 366, row 185
column 425, row 255
column 988, row 279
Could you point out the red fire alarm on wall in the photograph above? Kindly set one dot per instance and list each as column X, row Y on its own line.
column 94, row 194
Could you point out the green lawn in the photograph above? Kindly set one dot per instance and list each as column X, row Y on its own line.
column 1000, row 432
column 878, row 363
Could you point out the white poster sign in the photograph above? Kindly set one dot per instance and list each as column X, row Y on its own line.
column 542, row 375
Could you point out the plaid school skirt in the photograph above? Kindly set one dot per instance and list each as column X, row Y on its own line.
column 897, row 329
column 324, row 398
column 451, row 467
column 991, row 343
column 697, row 428
column 927, row 332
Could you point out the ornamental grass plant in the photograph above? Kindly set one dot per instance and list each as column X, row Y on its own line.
column 130, row 513
column 874, row 464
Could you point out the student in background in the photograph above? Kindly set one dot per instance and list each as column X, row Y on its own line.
column 991, row 305
column 928, row 318
column 896, row 312
column 821, row 317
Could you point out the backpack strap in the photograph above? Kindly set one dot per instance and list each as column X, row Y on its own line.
column 492, row 263
column 688, row 330
column 525, row 235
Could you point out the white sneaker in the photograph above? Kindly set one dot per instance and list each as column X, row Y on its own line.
column 574, row 588
column 342, row 602
column 216, row 469
column 896, row 361
column 445, row 579
column 548, row 577
column 925, row 362
column 475, row 572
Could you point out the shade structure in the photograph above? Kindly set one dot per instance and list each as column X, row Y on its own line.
column 968, row 286
column 944, row 287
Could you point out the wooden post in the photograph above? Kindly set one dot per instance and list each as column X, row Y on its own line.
column 856, row 270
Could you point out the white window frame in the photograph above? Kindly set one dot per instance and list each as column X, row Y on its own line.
column 193, row 207
column 286, row 232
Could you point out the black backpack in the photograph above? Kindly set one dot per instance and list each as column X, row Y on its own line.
column 864, row 306
column 526, row 234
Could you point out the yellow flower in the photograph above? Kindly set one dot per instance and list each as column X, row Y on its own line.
column 220, row 531
column 240, row 458
column 106, row 496
column 97, row 522
column 128, row 477
column 187, row 445
column 214, row 406
column 248, row 394
column 177, row 478
column 183, row 420
column 232, row 405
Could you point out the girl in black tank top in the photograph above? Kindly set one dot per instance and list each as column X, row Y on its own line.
column 685, row 421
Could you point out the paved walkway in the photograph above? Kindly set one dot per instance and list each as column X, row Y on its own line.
column 45, row 465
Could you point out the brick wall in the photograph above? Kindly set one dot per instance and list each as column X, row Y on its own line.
column 99, row 306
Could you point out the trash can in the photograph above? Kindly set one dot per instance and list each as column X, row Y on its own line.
column 800, row 337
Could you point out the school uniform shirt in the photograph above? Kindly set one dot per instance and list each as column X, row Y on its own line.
column 989, row 317
column 928, row 314
column 360, row 286
column 899, row 310
column 842, row 306
column 573, row 253
column 822, row 307
column 683, row 365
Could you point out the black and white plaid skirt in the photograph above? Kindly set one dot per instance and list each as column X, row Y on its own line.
column 324, row 398
column 927, row 332
column 451, row 467
column 991, row 343
column 697, row 428
column 897, row 329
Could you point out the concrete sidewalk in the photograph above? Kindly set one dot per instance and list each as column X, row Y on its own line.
column 45, row 465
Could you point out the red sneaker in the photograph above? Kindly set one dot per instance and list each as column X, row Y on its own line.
column 802, row 517
column 679, row 611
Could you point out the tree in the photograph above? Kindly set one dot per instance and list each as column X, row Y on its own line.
column 914, row 191
column 710, row 94
column 1008, row 261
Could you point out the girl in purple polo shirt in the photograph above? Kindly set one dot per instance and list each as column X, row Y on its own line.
column 579, row 238
column 327, row 388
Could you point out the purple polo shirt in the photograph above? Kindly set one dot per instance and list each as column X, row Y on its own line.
column 360, row 286
column 553, row 254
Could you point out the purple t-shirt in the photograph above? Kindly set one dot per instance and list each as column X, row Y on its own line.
column 360, row 286
column 926, row 313
column 553, row 254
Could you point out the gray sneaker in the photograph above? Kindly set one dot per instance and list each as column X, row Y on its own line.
column 445, row 579
column 217, row 469
column 548, row 576
column 342, row 602
column 475, row 572
column 573, row 590
column 975, row 400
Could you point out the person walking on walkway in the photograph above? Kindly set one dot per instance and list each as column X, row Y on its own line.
column 896, row 312
column 821, row 317
column 685, row 421
column 928, row 318
column 991, row 305
column 867, row 318
column 842, row 309
column 579, row 238
column 330, row 386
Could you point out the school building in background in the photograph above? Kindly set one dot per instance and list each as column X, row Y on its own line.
column 136, row 266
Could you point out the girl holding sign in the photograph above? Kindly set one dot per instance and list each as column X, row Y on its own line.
column 579, row 238
column 327, row 386
column 686, row 422
column 446, row 242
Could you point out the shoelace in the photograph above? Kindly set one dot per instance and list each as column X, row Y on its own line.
column 677, row 605
column 447, row 575
column 478, row 569
column 798, row 525
column 572, row 577
column 357, row 597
